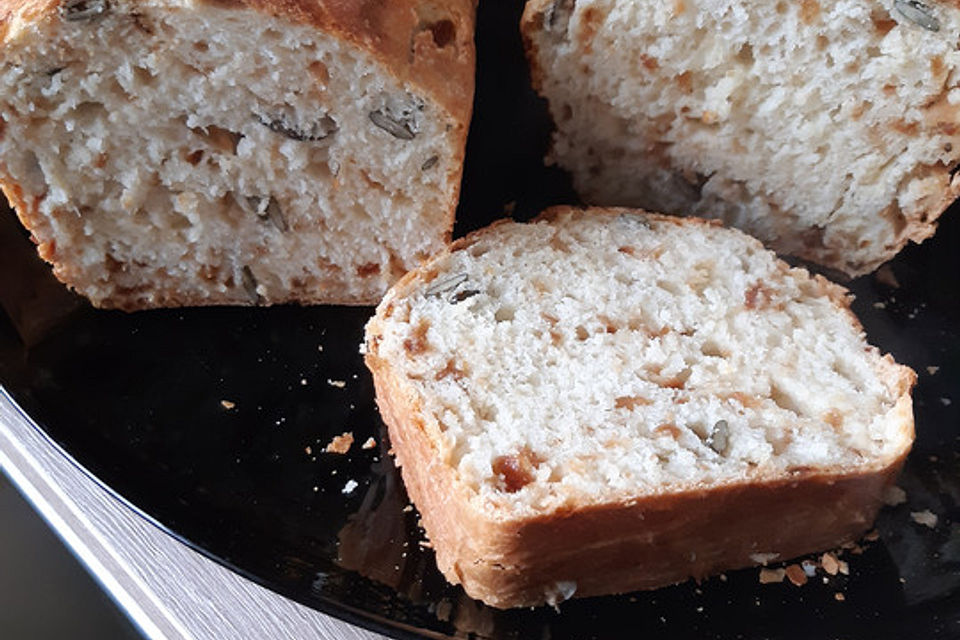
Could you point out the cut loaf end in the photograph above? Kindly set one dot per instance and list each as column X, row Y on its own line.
column 829, row 130
column 170, row 153
column 608, row 400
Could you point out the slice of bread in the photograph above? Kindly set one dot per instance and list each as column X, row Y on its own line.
column 829, row 130
column 167, row 153
column 607, row 400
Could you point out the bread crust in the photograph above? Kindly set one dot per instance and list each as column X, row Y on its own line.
column 662, row 538
column 424, row 44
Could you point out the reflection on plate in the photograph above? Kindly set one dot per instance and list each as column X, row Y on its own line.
column 214, row 423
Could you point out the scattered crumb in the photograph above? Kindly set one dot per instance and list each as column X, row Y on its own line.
column 426, row 544
column 763, row 558
column 723, row 577
column 349, row 487
column 768, row 576
column 839, row 597
column 341, row 443
column 316, row 488
column 843, row 567
column 885, row 276
column 796, row 575
column 319, row 347
column 408, row 508
column 894, row 495
column 303, row 382
column 933, row 370
column 308, row 450
column 946, row 401
column 226, row 404
column 830, row 563
column 872, row 536
column 369, row 443
column 926, row 517
column 879, row 305
column 339, row 384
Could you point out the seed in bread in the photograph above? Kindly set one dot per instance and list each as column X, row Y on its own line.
column 829, row 130
column 608, row 400
column 168, row 153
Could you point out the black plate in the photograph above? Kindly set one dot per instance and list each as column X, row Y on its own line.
column 138, row 400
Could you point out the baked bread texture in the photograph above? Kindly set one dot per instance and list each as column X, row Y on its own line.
column 829, row 130
column 192, row 152
column 609, row 400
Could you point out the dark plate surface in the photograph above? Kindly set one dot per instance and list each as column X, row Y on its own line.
column 213, row 423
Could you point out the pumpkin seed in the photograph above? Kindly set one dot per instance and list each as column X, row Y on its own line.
column 917, row 13
column 80, row 10
column 285, row 125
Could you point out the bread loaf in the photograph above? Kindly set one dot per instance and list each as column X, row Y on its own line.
column 176, row 152
column 829, row 130
column 603, row 401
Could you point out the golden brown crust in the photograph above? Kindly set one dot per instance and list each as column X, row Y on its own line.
column 626, row 543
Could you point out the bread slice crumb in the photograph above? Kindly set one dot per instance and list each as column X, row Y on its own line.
column 768, row 576
column 340, row 444
column 369, row 443
column 894, row 495
column 796, row 575
column 926, row 517
column 227, row 404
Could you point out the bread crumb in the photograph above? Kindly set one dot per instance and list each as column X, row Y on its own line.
column 319, row 347
column 768, row 576
column 894, row 495
column 843, row 567
column 339, row 384
column 341, row 443
column 369, row 443
column 830, row 563
column 879, row 305
column 933, row 370
column 408, row 508
column 796, row 575
column 946, row 402
column 349, row 487
column 226, row 404
column 839, row 597
column 926, row 517
column 308, row 450
column 303, row 382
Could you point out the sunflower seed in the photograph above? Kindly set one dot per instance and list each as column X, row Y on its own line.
column 250, row 285
column 429, row 163
column 80, row 10
column 917, row 13
column 720, row 438
column 397, row 128
column 399, row 117
column 264, row 207
column 275, row 215
column 446, row 285
column 285, row 125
